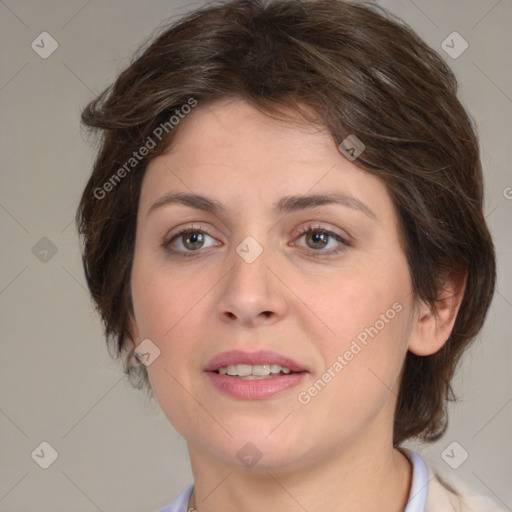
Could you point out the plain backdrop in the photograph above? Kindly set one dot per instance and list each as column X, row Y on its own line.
column 59, row 385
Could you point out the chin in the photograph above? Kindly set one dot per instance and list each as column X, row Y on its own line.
column 256, row 450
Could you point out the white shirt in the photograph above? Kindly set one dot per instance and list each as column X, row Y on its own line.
column 430, row 492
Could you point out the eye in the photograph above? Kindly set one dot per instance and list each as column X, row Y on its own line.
column 318, row 238
column 190, row 239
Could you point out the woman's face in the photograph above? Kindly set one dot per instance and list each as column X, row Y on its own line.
column 335, row 305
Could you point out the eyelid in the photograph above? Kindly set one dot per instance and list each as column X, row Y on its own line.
column 344, row 240
column 181, row 230
column 319, row 226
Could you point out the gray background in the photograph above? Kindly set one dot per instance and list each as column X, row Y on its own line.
column 116, row 451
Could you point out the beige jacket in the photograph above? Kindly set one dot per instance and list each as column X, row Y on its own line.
column 442, row 498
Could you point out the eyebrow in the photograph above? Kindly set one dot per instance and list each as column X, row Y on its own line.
column 286, row 204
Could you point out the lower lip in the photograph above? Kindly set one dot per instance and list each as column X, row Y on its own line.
column 256, row 389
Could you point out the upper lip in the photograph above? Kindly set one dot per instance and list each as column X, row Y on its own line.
column 260, row 357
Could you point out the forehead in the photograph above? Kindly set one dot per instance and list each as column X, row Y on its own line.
column 233, row 152
column 235, row 130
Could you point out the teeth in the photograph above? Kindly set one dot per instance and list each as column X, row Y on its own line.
column 242, row 370
column 260, row 369
column 257, row 370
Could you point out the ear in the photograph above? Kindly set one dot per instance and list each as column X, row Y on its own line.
column 433, row 328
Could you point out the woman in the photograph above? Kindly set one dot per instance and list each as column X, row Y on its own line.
column 283, row 233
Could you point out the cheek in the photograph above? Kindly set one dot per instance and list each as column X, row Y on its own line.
column 160, row 299
column 360, row 380
column 168, row 311
column 362, row 307
column 369, row 317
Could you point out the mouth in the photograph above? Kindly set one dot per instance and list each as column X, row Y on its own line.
column 260, row 363
column 254, row 372
column 254, row 376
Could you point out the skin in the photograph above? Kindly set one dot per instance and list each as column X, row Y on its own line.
column 318, row 456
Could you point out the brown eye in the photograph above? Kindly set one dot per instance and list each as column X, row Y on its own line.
column 192, row 239
column 317, row 239
column 187, row 241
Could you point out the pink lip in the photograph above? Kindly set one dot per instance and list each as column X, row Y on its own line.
column 260, row 357
column 256, row 389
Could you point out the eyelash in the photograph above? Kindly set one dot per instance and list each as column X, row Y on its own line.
column 167, row 242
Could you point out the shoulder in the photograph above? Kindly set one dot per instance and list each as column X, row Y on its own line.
column 448, row 493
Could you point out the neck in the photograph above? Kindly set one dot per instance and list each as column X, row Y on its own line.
column 376, row 480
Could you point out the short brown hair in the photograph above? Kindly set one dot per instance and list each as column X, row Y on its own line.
column 361, row 71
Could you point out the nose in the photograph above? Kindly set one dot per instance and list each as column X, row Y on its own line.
column 252, row 292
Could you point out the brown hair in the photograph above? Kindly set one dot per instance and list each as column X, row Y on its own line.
column 359, row 70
